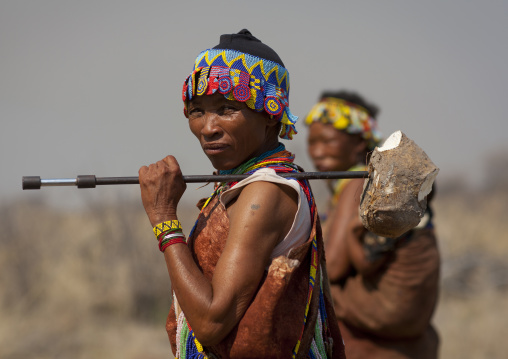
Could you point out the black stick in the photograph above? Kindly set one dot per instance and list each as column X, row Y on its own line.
column 90, row 181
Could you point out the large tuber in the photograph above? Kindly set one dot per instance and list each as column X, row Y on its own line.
column 394, row 197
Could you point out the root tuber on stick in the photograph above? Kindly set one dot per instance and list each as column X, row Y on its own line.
column 394, row 196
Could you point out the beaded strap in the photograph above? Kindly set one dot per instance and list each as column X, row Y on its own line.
column 165, row 226
column 312, row 280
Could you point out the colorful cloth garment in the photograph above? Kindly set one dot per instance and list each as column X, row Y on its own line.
column 347, row 116
column 260, row 83
column 320, row 345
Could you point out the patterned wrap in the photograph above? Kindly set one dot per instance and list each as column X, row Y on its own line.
column 347, row 116
column 260, row 83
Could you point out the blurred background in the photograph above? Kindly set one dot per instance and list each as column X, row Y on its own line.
column 95, row 88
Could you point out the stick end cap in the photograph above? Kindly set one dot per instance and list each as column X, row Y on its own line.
column 31, row 182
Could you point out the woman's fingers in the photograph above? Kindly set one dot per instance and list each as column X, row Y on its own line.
column 162, row 186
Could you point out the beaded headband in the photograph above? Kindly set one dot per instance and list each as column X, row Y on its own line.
column 344, row 115
column 260, row 83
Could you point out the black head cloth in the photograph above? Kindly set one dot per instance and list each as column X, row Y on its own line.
column 245, row 42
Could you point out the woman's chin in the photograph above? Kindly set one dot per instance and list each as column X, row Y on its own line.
column 324, row 168
column 222, row 165
column 330, row 166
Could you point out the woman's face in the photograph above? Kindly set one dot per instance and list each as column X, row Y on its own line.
column 229, row 132
column 333, row 150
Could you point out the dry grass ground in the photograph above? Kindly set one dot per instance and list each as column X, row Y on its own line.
column 473, row 308
column 92, row 284
column 87, row 284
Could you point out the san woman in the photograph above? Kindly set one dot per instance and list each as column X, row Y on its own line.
column 250, row 282
column 384, row 289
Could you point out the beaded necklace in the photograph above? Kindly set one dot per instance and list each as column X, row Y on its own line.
column 260, row 161
column 278, row 159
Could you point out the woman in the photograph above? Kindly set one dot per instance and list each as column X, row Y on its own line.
column 384, row 289
column 250, row 280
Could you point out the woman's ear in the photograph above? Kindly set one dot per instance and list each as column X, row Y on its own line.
column 272, row 121
column 273, row 125
column 360, row 148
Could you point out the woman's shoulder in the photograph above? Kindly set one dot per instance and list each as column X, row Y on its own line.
column 266, row 182
column 350, row 194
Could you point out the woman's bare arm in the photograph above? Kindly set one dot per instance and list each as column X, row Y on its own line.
column 345, row 235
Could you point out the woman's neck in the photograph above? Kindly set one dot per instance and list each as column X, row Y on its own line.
column 254, row 159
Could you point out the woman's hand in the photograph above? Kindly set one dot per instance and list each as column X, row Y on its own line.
column 162, row 186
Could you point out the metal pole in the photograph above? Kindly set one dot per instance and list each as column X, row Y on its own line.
column 91, row 181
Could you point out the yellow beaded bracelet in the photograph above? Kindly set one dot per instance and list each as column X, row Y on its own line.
column 166, row 226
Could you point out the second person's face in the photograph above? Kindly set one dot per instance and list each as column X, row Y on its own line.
column 331, row 149
column 229, row 132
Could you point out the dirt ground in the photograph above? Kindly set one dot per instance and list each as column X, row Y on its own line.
column 92, row 284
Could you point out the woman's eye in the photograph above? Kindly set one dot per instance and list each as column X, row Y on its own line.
column 228, row 109
column 194, row 112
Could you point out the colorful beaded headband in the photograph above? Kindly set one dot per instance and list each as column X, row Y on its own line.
column 260, row 83
column 344, row 115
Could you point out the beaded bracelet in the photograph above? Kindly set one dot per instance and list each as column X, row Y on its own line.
column 166, row 244
column 168, row 236
column 169, row 231
column 170, row 239
column 165, row 226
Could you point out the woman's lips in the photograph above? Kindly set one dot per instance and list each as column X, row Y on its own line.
column 214, row 148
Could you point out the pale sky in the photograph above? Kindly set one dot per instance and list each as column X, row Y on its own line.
column 94, row 87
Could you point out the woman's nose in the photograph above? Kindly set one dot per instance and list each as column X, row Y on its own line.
column 316, row 150
column 210, row 127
